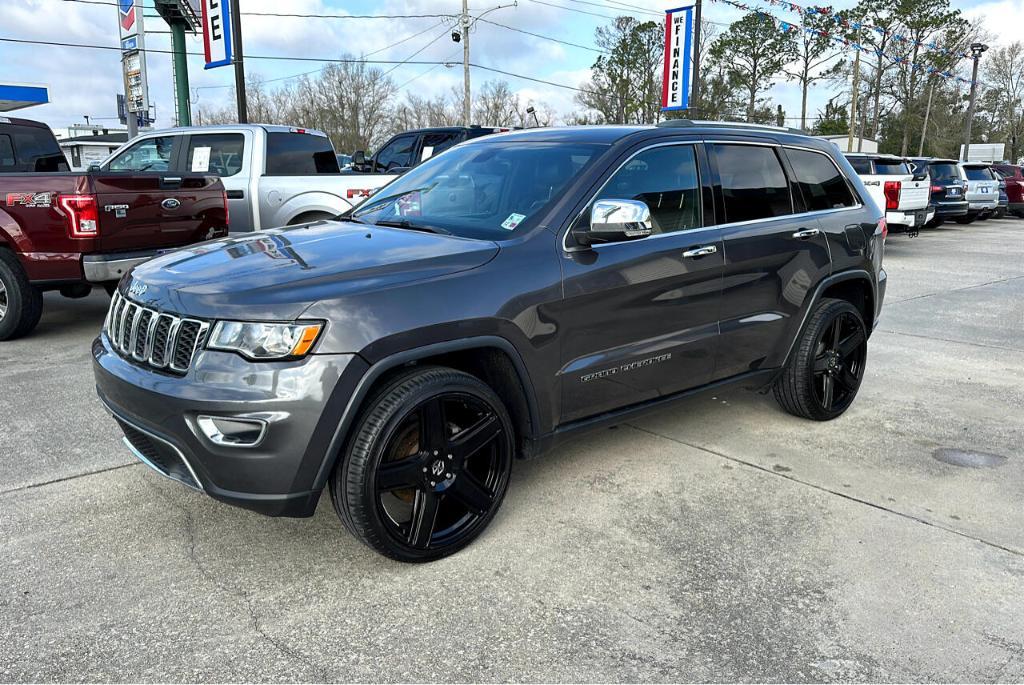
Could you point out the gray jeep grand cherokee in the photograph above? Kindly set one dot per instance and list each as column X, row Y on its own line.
column 501, row 297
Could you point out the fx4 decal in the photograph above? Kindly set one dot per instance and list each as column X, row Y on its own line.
column 30, row 200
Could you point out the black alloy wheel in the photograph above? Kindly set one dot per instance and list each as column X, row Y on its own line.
column 428, row 467
column 839, row 362
column 825, row 371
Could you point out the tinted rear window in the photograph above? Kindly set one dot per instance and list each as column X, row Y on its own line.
column 978, row 173
column 885, row 167
column 753, row 183
column 300, row 154
column 35, row 150
column 944, row 171
column 860, row 164
column 821, row 184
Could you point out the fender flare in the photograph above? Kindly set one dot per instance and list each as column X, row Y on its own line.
column 842, row 276
column 310, row 201
column 379, row 368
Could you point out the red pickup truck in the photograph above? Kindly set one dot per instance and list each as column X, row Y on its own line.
column 65, row 231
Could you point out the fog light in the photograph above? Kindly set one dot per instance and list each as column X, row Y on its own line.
column 232, row 432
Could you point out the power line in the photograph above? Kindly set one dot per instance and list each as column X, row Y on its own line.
column 615, row 5
column 432, row 41
column 424, row 73
column 299, row 15
column 537, row 35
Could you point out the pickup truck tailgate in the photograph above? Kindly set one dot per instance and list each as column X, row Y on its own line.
column 153, row 211
column 914, row 195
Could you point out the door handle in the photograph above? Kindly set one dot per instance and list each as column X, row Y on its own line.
column 700, row 251
column 236, row 194
column 806, row 233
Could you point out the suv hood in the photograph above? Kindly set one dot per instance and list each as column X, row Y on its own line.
column 279, row 273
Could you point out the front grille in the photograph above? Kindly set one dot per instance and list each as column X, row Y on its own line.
column 158, row 339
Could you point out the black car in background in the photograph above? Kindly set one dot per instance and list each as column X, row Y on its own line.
column 948, row 188
column 409, row 148
column 486, row 306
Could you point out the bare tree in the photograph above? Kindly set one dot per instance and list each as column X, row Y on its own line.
column 1003, row 71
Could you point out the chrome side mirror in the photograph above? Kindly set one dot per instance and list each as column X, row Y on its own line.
column 614, row 220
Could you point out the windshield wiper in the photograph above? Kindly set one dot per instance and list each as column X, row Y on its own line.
column 405, row 223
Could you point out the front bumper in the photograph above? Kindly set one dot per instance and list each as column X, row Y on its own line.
column 279, row 476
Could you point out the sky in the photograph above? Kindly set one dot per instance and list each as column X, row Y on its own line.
column 85, row 81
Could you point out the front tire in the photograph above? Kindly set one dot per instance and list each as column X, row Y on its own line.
column 825, row 370
column 21, row 303
column 427, row 465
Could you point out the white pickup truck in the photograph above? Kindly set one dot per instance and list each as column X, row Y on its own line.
column 892, row 184
column 273, row 175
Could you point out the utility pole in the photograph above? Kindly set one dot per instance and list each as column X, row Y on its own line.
column 927, row 114
column 236, row 56
column 466, row 102
column 695, row 89
column 853, row 100
column 976, row 50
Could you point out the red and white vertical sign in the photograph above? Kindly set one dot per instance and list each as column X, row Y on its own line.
column 217, row 32
column 675, row 84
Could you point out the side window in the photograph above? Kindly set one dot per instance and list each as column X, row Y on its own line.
column 753, row 183
column 300, row 154
column 436, row 143
column 37, row 151
column 152, row 154
column 7, row 160
column 666, row 179
column 820, row 181
column 397, row 153
column 860, row 164
column 219, row 153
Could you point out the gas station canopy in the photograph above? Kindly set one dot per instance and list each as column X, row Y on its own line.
column 20, row 95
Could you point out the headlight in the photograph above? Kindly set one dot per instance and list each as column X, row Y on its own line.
column 265, row 340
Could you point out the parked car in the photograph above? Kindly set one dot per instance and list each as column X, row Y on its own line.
column 494, row 301
column 68, row 232
column 948, row 184
column 409, row 148
column 274, row 175
column 894, row 186
column 1014, row 177
column 1004, row 199
column 982, row 192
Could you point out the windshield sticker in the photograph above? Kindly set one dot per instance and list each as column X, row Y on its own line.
column 512, row 221
column 201, row 159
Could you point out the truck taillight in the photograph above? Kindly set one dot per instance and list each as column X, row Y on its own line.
column 892, row 194
column 82, row 213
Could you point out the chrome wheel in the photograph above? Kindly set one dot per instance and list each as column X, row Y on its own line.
column 3, row 300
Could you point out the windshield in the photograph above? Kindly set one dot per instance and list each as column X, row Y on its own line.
column 483, row 190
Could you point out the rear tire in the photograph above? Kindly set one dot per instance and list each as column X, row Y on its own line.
column 825, row 370
column 427, row 465
column 21, row 303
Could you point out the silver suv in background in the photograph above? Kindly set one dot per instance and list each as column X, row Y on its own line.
column 273, row 175
column 982, row 192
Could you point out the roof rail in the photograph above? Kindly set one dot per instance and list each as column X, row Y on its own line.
column 685, row 123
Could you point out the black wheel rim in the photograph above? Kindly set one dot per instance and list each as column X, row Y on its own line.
column 442, row 471
column 839, row 362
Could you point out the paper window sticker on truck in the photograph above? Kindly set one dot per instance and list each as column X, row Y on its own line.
column 201, row 159
column 428, row 150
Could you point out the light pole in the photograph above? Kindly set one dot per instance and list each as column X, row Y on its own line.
column 976, row 50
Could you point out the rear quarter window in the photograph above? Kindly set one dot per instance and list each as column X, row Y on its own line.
column 300, row 154
column 35, row 150
column 821, row 183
